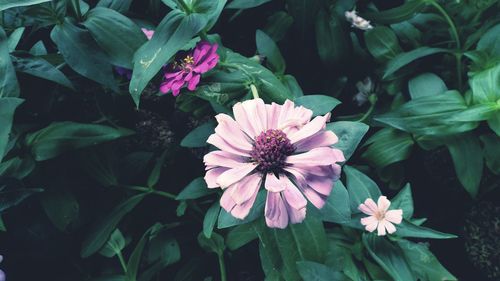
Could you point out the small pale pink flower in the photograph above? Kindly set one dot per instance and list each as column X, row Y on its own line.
column 279, row 147
column 380, row 217
column 189, row 69
column 149, row 33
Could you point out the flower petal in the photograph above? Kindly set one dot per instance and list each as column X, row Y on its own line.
column 383, row 204
column 245, row 188
column 322, row 185
column 370, row 223
column 233, row 175
column 226, row 201
column 275, row 211
column 381, row 229
column 389, row 226
column 394, row 216
column 325, row 138
column 242, row 211
column 275, row 184
column 230, row 130
column 223, row 159
column 295, row 215
column 220, row 143
column 316, row 156
column 310, row 129
column 294, row 197
column 212, row 175
column 370, row 204
column 193, row 82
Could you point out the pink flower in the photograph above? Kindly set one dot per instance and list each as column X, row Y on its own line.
column 279, row 147
column 149, row 33
column 189, row 69
column 380, row 217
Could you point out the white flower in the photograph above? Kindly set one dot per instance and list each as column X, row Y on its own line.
column 380, row 217
column 357, row 21
column 365, row 88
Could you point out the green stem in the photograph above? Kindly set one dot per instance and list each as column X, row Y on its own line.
column 203, row 36
column 255, row 92
column 373, row 102
column 456, row 38
column 184, row 6
column 222, row 267
column 150, row 190
column 2, row 14
column 122, row 261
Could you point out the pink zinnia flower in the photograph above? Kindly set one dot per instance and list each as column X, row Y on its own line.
column 380, row 217
column 280, row 147
column 189, row 69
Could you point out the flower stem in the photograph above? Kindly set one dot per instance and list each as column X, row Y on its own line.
column 373, row 101
column 456, row 38
column 222, row 267
column 122, row 261
column 255, row 92
column 150, row 190
column 184, row 6
column 203, row 36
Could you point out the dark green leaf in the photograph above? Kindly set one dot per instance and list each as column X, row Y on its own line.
column 398, row 14
column 312, row 271
column 9, row 86
column 13, row 196
column 210, row 219
column 17, row 167
column 115, row 244
column 350, row 135
column 485, row 85
column 492, row 152
column 61, row 207
column 41, row 68
column 213, row 244
column 268, row 48
column 360, row 188
column 116, row 34
column 173, row 32
column 154, row 177
column 121, row 6
column 490, row 43
column 278, row 25
column 136, row 256
column 198, row 137
column 194, row 190
column 467, row 158
column 7, row 4
column 426, row 84
column 82, row 53
column 14, row 39
column 404, row 200
column 408, row 229
column 293, row 86
column 337, row 207
column 304, row 13
column 7, row 108
column 61, row 137
column 388, row 256
column 245, row 4
column 382, row 43
column 405, row 58
column 319, row 104
column 423, row 263
column 101, row 231
column 388, row 146
column 240, row 236
column 332, row 40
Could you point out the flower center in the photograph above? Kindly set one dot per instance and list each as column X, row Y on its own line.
column 270, row 150
column 379, row 215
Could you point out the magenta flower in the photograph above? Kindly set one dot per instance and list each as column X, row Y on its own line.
column 2, row 274
column 280, row 147
column 380, row 217
column 189, row 69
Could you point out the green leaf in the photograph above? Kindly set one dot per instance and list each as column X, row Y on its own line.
column 388, row 146
column 467, row 158
column 82, row 53
column 404, row 200
column 194, row 190
column 337, row 207
column 281, row 249
column 14, row 38
column 405, row 58
column 240, row 235
column 7, row 108
column 494, row 123
column 198, row 137
column 408, row 229
column 227, row 220
column 423, row 263
column 210, row 219
column 245, row 4
column 389, row 257
column 350, row 135
column 293, row 86
column 485, row 85
column 101, row 231
column 116, row 34
column 9, row 86
column 332, row 40
column 213, row 244
column 312, row 271
column 319, row 104
column 360, row 187
column 7, row 4
column 60, row 137
column 61, row 207
column 429, row 115
column 490, row 43
column 136, row 256
column 173, row 32
column 121, row 6
column 211, row 9
column 41, row 68
column 163, row 250
column 268, row 48
column 426, row 84
column 304, row 13
column 491, row 152
column 478, row 112
column 114, row 245
column 17, row 167
column 398, row 14
column 154, row 177
column 382, row 43
column 13, row 196
column 278, row 25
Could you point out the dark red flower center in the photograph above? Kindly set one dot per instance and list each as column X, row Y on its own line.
column 270, row 150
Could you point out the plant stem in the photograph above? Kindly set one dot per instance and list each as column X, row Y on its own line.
column 203, row 36
column 456, row 38
column 184, row 6
column 255, row 92
column 150, row 190
column 122, row 261
column 368, row 113
column 222, row 267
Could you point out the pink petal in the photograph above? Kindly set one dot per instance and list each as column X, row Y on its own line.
column 325, row 138
column 242, row 119
column 212, row 175
column 233, row 175
column 310, row 129
column 226, row 201
column 202, row 48
column 273, row 111
column 230, row 131
column 370, row 204
column 315, row 198
column 149, row 33
column 363, row 208
column 316, row 156
column 322, row 185
column 223, row 159
column 389, row 226
column 295, row 215
column 193, row 82
column 294, row 197
column 275, row 184
column 256, row 113
column 275, row 211
column 246, row 188
column 220, row 143
column 381, row 229
column 394, row 216
column 383, row 204
column 370, row 223
column 242, row 211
